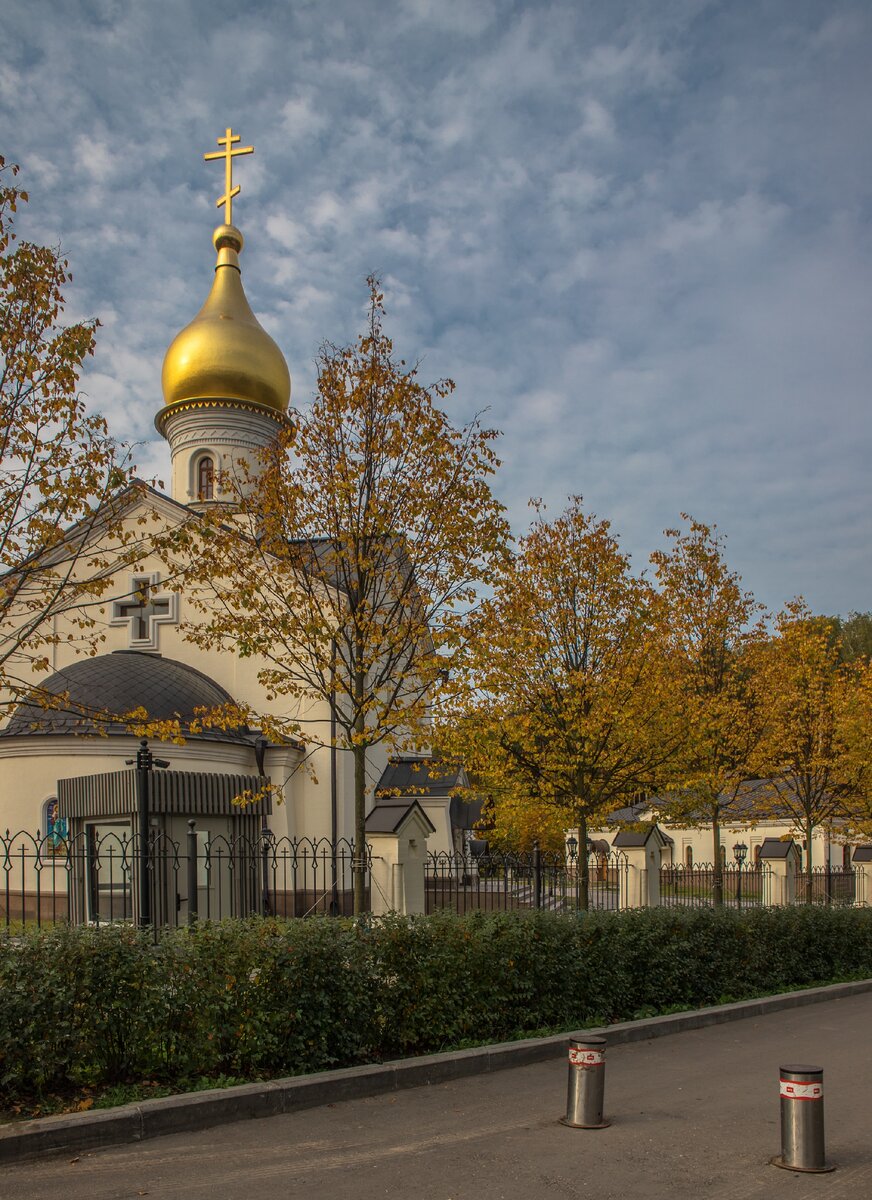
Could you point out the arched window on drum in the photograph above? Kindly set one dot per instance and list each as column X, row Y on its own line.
column 205, row 478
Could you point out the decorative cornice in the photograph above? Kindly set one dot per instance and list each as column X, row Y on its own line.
column 214, row 403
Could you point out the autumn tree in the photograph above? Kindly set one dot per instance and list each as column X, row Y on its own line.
column 711, row 629
column 855, row 735
column 562, row 696
column 514, row 821
column 61, row 474
column 854, row 633
column 816, row 750
column 355, row 550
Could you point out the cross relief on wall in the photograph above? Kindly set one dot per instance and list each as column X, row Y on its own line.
column 144, row 609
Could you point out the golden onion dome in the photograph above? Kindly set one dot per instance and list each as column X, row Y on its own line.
column 225, row 353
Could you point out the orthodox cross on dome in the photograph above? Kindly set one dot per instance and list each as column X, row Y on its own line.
column 228, row 154
column 143, row 611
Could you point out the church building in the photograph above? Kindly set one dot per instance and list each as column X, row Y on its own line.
column 226, row 394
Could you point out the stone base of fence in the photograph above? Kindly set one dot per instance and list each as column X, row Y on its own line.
column 35, row 908
column 307, row 903
column 460, row 901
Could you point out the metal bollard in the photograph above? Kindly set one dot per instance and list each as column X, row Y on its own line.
column 802, row 1120
column 587, row 1081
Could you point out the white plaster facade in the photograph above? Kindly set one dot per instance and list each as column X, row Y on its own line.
column 226, row 434
column 692, row 845
column 31, row 764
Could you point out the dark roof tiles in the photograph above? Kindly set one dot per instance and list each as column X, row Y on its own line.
column 116, row 684
column 420, row 777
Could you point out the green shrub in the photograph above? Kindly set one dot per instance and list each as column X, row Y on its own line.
column 101, row 1008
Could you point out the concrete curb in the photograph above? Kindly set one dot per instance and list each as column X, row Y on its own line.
column 192, row 1111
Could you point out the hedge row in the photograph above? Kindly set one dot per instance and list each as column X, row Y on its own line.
column 86, row 1007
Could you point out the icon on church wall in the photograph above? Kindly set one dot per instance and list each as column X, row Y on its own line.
column 56, row 828
column 144, row 609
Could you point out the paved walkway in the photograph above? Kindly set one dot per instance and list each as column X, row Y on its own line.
column 695, row 1115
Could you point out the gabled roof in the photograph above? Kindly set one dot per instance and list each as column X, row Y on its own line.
column 410, row 776
column 775, row 848
column 388, row 818
column 629, row 838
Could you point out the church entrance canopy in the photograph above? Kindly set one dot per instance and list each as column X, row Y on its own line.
column 103, row 817
column 180, row 793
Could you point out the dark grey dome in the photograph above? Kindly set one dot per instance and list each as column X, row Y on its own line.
column 116, row 684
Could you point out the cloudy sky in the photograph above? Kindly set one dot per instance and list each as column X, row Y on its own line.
column 637, row 233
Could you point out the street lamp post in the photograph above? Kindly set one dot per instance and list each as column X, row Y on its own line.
column 145, row 764
column 740, row 851
column 267, row 842
column 572, row 847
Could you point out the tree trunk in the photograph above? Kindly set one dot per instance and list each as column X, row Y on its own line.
column 359, row 862
column 717, row 869
column 359, row 868
column 809, row 878
column 583, row 865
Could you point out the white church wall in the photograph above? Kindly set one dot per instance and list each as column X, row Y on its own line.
column 303, row 805
column 31, row 765
column 697, row 841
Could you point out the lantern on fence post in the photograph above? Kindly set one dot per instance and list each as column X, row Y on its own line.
column 740, row 851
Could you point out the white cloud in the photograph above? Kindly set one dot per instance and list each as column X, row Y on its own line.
column 285, row 230
column 640, row 235
column 10, row 82
column 636, row 66
column 301, row 116
column 596, row 121
column 458, row 16
column 94, row 158
column 839, row 28
column 578, row 188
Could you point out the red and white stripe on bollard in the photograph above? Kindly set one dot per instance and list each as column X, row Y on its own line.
column 587, row 1081
column 802, row 1120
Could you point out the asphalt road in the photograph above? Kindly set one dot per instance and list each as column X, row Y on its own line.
column 695, row 1115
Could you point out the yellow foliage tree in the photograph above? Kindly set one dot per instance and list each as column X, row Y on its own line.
column 711, row 631
column 514, row 822
column 355, row 549
column 815, row 752
column 62, row 477
column 562, row 702
column 855, row 730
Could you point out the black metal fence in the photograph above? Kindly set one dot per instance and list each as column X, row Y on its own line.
column 89, row 878
column 829, row 885
column 93, row 877
column 496, row 882
column 696, row 886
